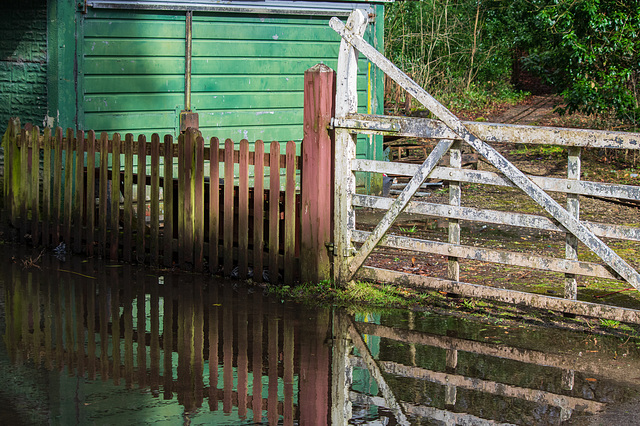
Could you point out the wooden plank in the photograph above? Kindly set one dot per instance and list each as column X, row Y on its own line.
column 154, row 223
column 455, row 197
column 573, row 208
column 494, row 157
column 316, row 175
column 78, row 207
column 496, row 256
column 68, row 188
column 214, row 206
column 57, row 186
column 228, row 208
column 189, row 188
column 46, row 187
column 127, row 212
column 497, row 217
column 23, row 189
column 214, row 325
column 180, row 197
column 345, row 152
column 168, row 197
column 141, row 199
column 502, row 295
column 290, row 219
column 489, row 132
column 398, row 206
column 114, row 222
column 258, row 211
column 103, row 220
column 198, row 221
column 35, row 187
column 596, row 189
column 91, row 192
column 243, row 210
column 274, row 212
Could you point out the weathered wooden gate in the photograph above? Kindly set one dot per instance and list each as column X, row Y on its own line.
column 348, row 262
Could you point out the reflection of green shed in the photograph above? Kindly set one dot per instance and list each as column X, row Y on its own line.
column 119, row 66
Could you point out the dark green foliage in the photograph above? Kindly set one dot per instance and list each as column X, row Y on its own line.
column 593, row 51
column 587, row 50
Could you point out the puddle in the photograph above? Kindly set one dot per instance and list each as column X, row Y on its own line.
column 90, row 343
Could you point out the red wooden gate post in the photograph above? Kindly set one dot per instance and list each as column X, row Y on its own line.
column 317, row 174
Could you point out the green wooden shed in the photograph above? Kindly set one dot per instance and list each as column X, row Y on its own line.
column 123, row 65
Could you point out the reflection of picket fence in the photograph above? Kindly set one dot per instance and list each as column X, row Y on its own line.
column 205, row 345
column 353, row 246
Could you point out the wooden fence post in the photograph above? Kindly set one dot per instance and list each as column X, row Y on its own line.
column 317, row 174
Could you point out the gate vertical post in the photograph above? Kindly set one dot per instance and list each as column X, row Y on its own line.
column 455, row 160
column 317, row 173
column 573, row 208
column 345, row 151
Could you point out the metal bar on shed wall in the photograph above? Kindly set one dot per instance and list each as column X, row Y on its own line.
column 187, row 59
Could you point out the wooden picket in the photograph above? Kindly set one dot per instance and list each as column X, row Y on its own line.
column 66, row 188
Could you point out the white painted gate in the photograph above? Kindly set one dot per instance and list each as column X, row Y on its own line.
column 348, row 261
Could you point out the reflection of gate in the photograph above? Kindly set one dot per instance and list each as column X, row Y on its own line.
column 450, row 379
column 450, row 131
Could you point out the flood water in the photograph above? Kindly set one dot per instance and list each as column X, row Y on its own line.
column 91, row 343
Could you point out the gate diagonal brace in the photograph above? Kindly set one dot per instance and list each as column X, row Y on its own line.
column 572, row 224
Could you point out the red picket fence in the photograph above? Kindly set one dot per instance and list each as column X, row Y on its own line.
column 79, row 189
column 202, row 206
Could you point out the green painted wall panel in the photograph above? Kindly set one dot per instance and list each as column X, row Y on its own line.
column 210, row 48
column 220, row 29
column 203, row 65
column 111, row 122
column 247, row 72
